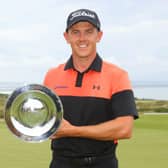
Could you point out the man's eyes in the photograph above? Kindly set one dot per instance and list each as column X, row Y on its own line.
column 89, row 31
column 76, row 32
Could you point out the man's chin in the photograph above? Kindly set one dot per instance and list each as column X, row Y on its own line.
column 83, row 55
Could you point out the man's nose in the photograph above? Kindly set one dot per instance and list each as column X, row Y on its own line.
column 82, row 36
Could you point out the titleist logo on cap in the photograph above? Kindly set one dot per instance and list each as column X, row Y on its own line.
column 81, row 13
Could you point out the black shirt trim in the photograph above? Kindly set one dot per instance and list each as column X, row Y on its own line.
column 96, row 66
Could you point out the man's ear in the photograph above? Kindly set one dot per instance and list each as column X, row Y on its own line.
column 66, row 37
column 99, row 37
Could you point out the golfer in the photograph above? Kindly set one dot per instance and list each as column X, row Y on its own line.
column 98, row 101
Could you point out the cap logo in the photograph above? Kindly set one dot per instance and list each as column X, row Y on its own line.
column 82, row 13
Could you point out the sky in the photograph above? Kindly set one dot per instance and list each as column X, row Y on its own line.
column 135, row 35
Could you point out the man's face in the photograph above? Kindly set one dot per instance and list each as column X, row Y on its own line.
column 83, row 37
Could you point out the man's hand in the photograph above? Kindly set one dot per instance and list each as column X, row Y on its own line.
column 64, row 130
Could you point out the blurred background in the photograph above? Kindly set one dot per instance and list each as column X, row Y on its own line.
column 135, row 38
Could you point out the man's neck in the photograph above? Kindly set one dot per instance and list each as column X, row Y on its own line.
column 81, row 64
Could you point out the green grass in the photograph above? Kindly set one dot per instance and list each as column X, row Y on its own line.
column 3, row 98
column 146, row 149
column 15, row 153
column 152, row 105
column 148, row 146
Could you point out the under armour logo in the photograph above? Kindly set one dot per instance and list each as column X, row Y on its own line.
column 96, row 87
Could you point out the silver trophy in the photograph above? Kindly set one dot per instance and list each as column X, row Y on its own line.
column 33, row 113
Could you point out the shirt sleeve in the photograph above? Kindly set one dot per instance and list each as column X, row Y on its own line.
column 122, row 100
column 123, row 104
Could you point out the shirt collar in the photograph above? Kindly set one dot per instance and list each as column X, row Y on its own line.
column 96, row 64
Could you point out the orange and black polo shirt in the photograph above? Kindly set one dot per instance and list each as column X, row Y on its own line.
column 101, row 93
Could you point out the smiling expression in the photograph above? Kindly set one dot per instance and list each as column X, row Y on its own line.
column 83, row 37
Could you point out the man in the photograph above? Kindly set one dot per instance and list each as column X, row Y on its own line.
column 97, row 98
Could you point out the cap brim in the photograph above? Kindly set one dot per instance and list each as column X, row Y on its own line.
column 82, row 20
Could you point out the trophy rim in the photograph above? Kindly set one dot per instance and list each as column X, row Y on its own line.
column 49, row 94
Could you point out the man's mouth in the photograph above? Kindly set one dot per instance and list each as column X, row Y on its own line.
column 82, row 46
